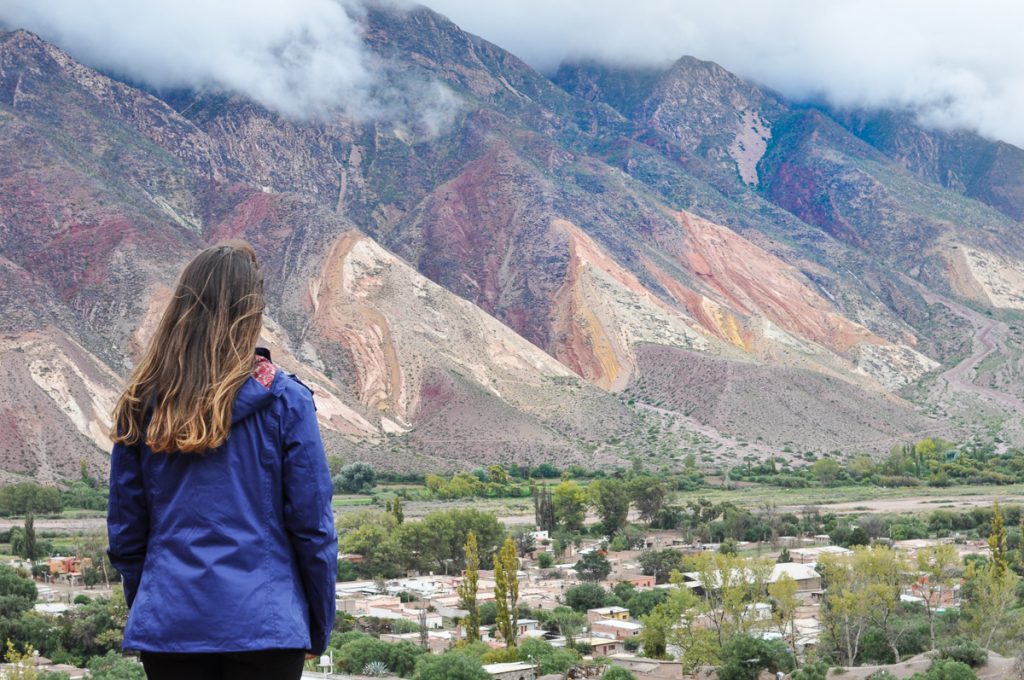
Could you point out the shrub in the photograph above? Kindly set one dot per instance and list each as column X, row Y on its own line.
column 946, row 669
column 812, row 671
column 965, row 651
column 617, row 673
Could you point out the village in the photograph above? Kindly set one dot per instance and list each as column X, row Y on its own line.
column 432, row 602
column 561, row 599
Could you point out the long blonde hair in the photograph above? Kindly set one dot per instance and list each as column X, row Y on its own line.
column 199, row 357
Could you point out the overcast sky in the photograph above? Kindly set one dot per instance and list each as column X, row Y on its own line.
column 957, row 63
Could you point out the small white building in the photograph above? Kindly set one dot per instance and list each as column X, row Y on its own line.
column 515, row 670
column 615, row 629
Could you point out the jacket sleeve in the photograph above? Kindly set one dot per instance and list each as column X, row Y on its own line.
column 309, row 518
column 127, row 517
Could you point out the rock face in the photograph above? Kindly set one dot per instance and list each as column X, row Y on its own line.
column 504, row 278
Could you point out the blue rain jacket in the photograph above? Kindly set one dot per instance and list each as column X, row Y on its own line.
column 234, row 549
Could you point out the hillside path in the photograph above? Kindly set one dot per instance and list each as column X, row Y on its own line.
column 987, row 339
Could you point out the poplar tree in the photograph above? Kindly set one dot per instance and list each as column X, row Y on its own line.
column 30, row 537
column 468, row 588
column 506, row 591
column 543, row 509
column 997, row 539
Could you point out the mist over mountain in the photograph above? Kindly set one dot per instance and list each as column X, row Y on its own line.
column 944, row 62
column 471, row 260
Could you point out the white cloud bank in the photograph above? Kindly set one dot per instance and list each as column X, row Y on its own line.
column 957, row 63
column 302, row 58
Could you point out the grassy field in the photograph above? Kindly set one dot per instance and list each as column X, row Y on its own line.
column 759, row 495
column 844, row 498
column 350, row 501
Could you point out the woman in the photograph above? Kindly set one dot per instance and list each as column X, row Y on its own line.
column 220, row 515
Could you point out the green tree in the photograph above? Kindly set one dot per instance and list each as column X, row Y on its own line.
column 449, row 666
column 593, row 566
column 644, row 601
column 113, row 666
column 569, row 623
column 355, row 478
column 397, row 510
column 21, row 666
column 784, row 597
column 436, row 542
column 569, row 500
column 657, row 626
column 26, row 497
column 945, row 669
column 862, row 466
column 17, row 594
column 729, row 583
column 997, row 538
column 863, row 593
column 989, row 614
column 691, row 634
column 468, row 589
column 826, row 471
column 661, row 563
column 817, row 670
column 506, row 591
column 30, row 537
column 617, row 673
column 585, row 596
column 374, row 535
column 399, row 658
column 744, row 657
column 525, row 542
column 939, row 570
column 610, row 498
column 543, row 509
column 649, row 495
column 548, row 659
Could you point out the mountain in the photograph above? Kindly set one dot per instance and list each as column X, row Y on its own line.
column 604, row 265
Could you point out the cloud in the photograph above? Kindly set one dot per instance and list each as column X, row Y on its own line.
column 302, row 58
column 955, row 63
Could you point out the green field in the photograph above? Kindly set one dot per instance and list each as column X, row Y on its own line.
column 758, row 495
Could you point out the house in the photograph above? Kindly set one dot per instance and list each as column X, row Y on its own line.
column 601, row 646
column 615, row 629
column 604, row 613
column 812, row 554
column 511, row 671
column 649, row 669
column 71, row 566
column 438, row 641
column 940, row 596
column 807, row 579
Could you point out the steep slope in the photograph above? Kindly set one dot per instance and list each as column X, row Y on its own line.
column 990, row 171
column 494, row 270
column 821, row 173
column 424, row 358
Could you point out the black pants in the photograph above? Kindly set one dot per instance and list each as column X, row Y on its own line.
column 270, row 664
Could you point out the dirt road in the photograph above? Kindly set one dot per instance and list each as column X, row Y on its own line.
column 78, row 525
column 988, row 338
column 911, row 505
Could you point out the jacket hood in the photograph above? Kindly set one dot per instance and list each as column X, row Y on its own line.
column 253, row 397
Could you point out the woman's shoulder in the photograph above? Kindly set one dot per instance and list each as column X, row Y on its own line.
column 285, row 386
